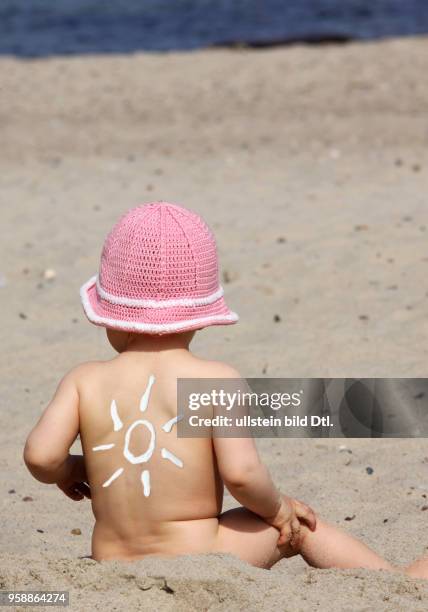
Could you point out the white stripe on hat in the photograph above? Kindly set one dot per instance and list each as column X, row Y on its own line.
column 170, row 303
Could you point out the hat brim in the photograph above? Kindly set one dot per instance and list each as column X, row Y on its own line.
column 152, row 320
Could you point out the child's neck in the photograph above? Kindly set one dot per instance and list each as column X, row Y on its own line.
column 147, row 343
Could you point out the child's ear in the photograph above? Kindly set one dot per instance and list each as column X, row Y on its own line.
column 118, row 339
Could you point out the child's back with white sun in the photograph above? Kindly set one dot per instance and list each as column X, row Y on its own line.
column 140, row 472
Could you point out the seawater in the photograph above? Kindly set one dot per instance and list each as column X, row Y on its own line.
column 34, row 28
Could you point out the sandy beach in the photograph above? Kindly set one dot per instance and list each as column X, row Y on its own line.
column 311, row 166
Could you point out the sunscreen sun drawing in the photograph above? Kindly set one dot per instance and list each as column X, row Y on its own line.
column 144, row 457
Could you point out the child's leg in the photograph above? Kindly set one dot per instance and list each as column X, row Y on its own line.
column 247, row 536
column 329, row 546
column 418, row 569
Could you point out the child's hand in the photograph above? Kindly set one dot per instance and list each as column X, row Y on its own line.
column 288, row 518
column 74, row 484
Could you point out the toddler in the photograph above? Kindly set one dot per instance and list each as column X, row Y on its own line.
column 153, row 493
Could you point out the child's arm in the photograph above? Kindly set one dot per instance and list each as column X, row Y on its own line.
column 245, row 476
column 46, row 451
column 250, row 483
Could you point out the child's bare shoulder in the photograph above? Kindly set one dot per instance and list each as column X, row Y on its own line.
column 82, row 371
column 214, row 369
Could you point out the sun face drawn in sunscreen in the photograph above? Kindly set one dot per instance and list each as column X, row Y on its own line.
column 149, row 452
column 144, row 457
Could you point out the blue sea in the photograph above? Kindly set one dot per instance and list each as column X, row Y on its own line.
column 34, row 28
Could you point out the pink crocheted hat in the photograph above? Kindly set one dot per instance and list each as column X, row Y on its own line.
column 158, row 274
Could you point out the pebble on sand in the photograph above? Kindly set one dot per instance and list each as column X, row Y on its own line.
column 369, row 470
column 344, row 449
column 49, row 274
column 22, row 315
column 27, row 498
column 419, row 395
column 276, row 318
column 363, row 317
column 76, row 531
column 226, row 277
column 11, row 491
column 350, row 518
column 361, row 227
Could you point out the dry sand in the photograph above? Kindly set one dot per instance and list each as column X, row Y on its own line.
column 311, row 165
